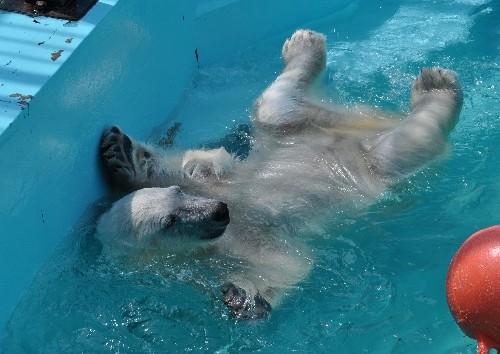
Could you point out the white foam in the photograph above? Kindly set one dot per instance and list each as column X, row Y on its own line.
column 408, row 36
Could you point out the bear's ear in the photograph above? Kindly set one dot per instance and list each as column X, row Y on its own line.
column 169, row 221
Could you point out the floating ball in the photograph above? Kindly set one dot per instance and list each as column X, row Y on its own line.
column 473, row 288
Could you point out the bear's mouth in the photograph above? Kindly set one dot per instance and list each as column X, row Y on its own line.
column 217, row 230
column 214, row 234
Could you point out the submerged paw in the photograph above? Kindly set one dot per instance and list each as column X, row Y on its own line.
column 244, row 306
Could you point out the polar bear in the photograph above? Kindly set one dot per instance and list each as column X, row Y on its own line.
column 310, row 161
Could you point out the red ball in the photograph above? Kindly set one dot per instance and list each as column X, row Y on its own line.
column 473, row 288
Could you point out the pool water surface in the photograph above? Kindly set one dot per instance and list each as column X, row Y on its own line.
column 378, row 284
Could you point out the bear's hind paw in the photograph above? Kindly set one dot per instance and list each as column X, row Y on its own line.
column 307, row 49
column 434, row 80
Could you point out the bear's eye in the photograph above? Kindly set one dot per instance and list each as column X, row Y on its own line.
column 147, row 154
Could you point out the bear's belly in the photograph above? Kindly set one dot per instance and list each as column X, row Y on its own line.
column 304, row 180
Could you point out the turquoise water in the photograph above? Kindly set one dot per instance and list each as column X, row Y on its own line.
column 378, row 281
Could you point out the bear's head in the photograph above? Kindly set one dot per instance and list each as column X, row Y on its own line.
column 161, row 218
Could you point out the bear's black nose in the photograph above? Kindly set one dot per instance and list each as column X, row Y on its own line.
column 221, row 212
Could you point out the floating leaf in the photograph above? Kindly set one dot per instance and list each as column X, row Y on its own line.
column 56, row 55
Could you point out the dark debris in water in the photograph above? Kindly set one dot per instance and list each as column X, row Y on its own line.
column 168, row 140
column 238, row 142
column 55, row 55
column 22, row 99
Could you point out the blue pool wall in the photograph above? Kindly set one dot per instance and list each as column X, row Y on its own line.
column 130, row 71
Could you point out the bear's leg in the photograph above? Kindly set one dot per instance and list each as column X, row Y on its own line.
column 132, row 165
column 436, row 100
column 262, row 276
column 286, row 105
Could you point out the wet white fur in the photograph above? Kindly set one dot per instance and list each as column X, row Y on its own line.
column 309, row 162
column 157, row 219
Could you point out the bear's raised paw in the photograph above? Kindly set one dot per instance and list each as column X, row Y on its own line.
column 305, row 49
column 434, row 80
column 126, row 161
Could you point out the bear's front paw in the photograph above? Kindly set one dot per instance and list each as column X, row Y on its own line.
column 435, row 80
column 243, row 306
column 125, row 162
column 203, row 164
column 306, row 49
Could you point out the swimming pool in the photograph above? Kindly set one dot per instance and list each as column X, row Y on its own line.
column 378, row 281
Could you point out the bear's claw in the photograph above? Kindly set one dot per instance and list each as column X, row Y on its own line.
column 436, row 79
column 242, row 306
